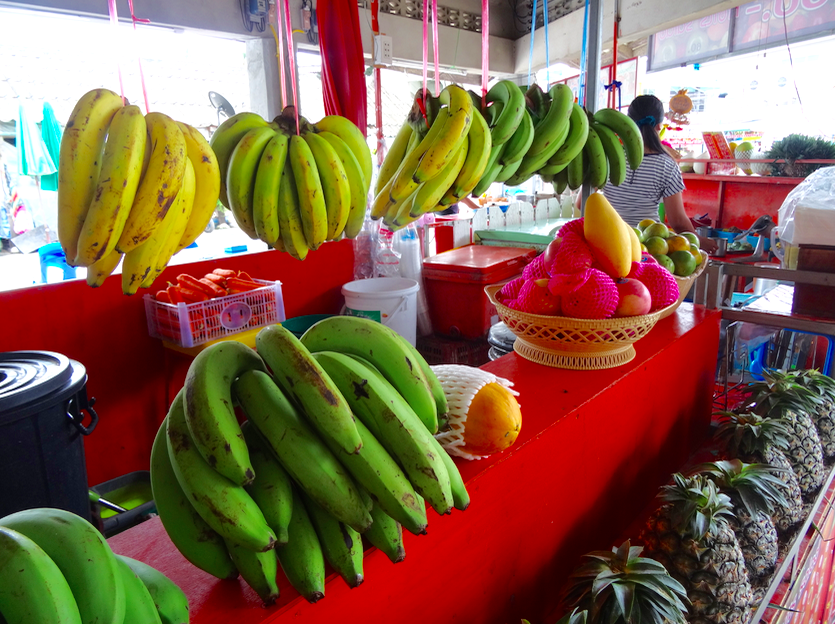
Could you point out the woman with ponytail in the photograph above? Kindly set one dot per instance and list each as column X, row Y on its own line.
column 657, row 179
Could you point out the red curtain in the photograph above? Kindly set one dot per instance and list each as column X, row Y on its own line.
column 343, row 66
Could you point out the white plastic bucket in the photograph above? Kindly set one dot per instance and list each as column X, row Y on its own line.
column 391, row 301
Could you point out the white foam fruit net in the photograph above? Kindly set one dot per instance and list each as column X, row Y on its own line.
column 461, row 384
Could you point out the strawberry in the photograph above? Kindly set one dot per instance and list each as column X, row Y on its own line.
column 535, row 298
column 575, row 226
column 573, row 255
column 511, row 290
column 661, row 284
column 588, row 294
column 536, row 269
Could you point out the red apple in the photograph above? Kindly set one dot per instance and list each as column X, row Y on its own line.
column 550, row 253
column 635, row 299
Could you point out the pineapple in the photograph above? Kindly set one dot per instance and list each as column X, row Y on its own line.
column 755, row 491
column 598, row 585
column 824, row 416
column 778, row 396
column 755, row 439
column 691, row 536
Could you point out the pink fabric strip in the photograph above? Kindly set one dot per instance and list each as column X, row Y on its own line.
column 485, row 50
column 281, row 63
column 114, row 21
column 139, row 57
column 425, row 46
column 435, row 46
column 291, row 51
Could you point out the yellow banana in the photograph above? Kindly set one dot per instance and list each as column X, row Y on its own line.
column 121, row 166
column 399, row 214
column 403, row 183
column 161, row 183
column 395, row 155
column 359, row 189
column 455, row 130
column 79, row 161
column 335, row 184
column 226, row 137
column 183, row 207
column 267, row 184
column 101, row 269
column 290, row 221
column 346, row 130
column 429, row 193
column 314, row 213
column 240, row 176
column 479, row 147
column 207, row 184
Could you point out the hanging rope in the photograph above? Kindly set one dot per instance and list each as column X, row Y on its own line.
column 615, row 85
column 547, row 49
column 114, row 21
column 533, row 31
column 378, row 88
column 581, row 95
column 292, row 57
column 485, row 50
column 425, row 52
column 435, row 46
column 279, row 55
column 135, row 19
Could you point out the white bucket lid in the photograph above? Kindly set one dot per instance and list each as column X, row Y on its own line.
column 381, row 287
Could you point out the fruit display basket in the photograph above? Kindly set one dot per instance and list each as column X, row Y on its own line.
column 684, row 286
column 192, row 324
column 578, row 344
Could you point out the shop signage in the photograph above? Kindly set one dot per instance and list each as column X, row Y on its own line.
column 762, row 22
column 700, row 39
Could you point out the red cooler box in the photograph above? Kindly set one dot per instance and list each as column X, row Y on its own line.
column 455, row 282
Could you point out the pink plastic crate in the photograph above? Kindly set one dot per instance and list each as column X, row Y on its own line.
column 192, row 324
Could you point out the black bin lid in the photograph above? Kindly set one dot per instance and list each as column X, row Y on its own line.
column 27, row 376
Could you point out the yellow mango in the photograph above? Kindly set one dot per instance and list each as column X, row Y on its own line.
column 636, row 244
column 608, row 236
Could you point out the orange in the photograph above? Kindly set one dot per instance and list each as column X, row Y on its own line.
column 678, row 243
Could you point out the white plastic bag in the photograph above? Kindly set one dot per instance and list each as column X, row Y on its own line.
column 807, row 216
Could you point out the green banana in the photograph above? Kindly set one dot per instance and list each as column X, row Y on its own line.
column 576, row 139
column 383, row 347
column 83, row 557
column 614, row 153
column 493, row 169
column 395, row 155
column 434, row 384
column 312, row 207
column 341, row 545
column 391, row 421
column 507, row 121
column 224, row 505
column 429, row 194
column 386, row 535
column 517, row 146
column 289, row 217
column 265, row 192
column 359, row 188
column 302, row 379
column 508, row 174
column 402, row 183
column 301, row 557
column 258, row 569
column 170, row 601
column 335, row 183
column 536, row 101
column 460, row 496
column 208, row 405
column 195, row 539
column 241, row 176
column 345, row 129
column 479, row 148
column 595, row 160
column 32, row 588
column 560, row 181
column 139, row 606
column 226, row 138
column 299, row 449
column 536, row 160
column 272, row 489
column 627, row 130
column 454, row 133
column 551, row 127
column 576, row 171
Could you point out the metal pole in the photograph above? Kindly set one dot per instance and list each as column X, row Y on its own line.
column 594, row 45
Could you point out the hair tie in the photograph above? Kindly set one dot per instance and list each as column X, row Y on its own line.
column 649, row 120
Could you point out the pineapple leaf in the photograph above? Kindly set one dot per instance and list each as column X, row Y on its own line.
column 625, row 595
column 755, row 486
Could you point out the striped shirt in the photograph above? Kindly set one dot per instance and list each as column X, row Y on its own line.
column 638, row 197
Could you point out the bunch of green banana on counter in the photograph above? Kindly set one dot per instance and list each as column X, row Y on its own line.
column 293, row 187
column 56, row 567
column 338, row 444
column 141, row 187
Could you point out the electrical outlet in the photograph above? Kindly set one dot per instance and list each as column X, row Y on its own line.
column 382, row 50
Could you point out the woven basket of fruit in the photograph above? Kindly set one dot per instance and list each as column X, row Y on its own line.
column 684, row 286
column 578, row 344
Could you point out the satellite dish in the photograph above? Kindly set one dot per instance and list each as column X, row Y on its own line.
column 221, row 104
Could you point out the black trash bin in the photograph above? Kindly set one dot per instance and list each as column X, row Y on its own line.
column 43, row 400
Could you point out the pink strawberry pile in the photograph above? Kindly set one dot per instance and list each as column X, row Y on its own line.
column 566, row 280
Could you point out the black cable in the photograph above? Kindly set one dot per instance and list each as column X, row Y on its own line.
column 788, row 48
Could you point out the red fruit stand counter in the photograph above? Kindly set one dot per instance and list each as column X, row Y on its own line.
column 593, row 450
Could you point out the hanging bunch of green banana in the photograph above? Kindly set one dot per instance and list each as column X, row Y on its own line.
column 58, row 568
column 132, row 186
column 315, row 466
column 294, row 187
column 435, row 160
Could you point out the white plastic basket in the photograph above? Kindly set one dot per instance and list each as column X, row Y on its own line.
column 192, row 324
